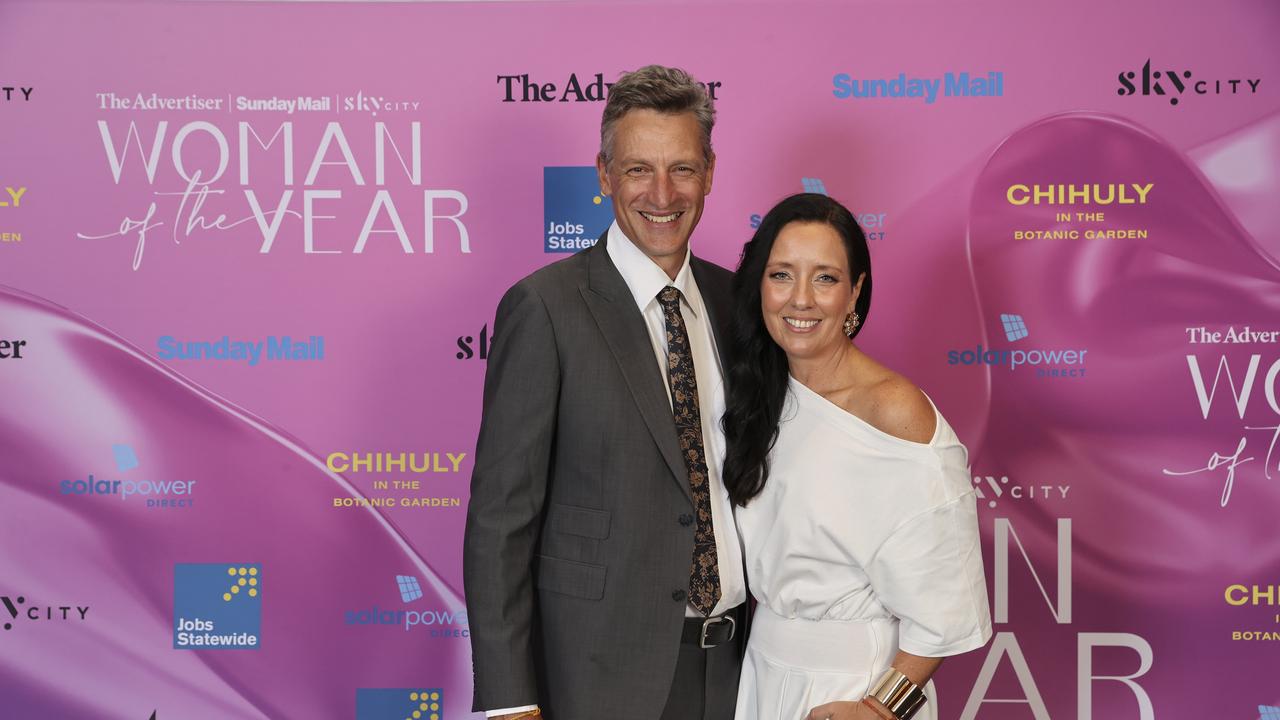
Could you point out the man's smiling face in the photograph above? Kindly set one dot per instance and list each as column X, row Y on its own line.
column 658, row 179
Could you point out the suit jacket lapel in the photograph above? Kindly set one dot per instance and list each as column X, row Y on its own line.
column 615, row 312
column 717, row 302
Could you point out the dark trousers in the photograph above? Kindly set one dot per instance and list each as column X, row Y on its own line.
column 706, row 682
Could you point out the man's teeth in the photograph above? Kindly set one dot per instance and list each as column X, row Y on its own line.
column 661, row 218
column 801, row 323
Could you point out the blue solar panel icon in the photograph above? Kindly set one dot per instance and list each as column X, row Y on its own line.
column 1014, row 327
column 410, row 590
column 813, row 185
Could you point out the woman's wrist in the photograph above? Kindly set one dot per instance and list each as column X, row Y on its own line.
column 878, row 709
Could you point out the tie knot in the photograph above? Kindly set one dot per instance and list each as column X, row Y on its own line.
column 669, row 297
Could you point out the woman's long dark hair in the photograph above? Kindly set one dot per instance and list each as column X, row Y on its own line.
column 757, row 375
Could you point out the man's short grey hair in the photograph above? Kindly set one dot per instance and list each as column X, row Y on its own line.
column 654, row 87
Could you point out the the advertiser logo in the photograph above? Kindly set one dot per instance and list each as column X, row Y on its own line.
column 15, row 93
column 1047, row 362
column 1175, row 84
column 469, row 348
column 398, row 703
column 168, row 494
column 435, row 622
column 283, row 348
column 11, row 349
column 18, row 611
column 575, row 214
column 992, row 490
column 928, row 89
column 872, row 224
column 591, row 88
column 217, row 606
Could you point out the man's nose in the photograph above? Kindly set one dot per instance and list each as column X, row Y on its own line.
column 663, row 190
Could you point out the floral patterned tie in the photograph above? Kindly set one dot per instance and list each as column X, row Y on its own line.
column 704, row 576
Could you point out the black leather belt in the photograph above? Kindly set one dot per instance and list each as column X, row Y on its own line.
column 710, row 632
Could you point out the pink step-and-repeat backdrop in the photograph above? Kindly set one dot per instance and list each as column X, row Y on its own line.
column 251, row 254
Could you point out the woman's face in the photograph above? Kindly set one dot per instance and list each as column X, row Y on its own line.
column 807, row 291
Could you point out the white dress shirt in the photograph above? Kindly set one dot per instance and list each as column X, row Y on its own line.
column 645, row 280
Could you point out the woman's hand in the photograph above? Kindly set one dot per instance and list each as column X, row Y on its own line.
column 844, row 710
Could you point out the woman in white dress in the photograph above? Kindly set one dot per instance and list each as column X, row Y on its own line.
column 853, row 495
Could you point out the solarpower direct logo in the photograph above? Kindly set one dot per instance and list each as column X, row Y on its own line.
column 1057, row 363
column 434, row 621
column 217, row 606
column 574, row 212
column 872, row 224
column 399, row 703
column 151, row 493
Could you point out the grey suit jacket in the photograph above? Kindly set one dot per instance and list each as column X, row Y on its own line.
column 575, row 561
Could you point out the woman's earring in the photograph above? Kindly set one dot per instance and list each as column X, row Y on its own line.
column 851, row 324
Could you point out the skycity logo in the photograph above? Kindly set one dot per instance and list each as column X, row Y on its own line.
column 575, row 214
column 158, row 493
column 14, row 93
column 1048, row 363
column 16, row 608
column 1174, row 84
column 397, row 703
column 217, row 606
column 845, row 86
column 466, row 350
column 12, row 197
column 993, row 489
column 283, row 348
column 374, row 104
column 523, row 89
column 442, row 623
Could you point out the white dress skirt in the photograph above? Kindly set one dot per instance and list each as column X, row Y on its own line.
column 860, row 545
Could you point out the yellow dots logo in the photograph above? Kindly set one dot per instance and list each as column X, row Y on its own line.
column 428, row 705
column 597, row 200
column 243, row 579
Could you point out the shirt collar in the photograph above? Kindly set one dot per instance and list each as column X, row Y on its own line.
column 643, row 276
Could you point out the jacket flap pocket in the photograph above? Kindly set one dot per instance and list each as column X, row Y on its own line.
column 580, row 521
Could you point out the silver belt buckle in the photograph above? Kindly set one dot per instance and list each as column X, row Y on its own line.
column 702, row 639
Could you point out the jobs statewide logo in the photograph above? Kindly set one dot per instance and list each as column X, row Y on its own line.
column 440, row 622
column 18, row 611
column 928, row 89
column 16, row 93
column 575, row 214
column 1268, row 712
column 1046, row 362
column 397, row 703
column 217, row 606
column 168, row 494
column 1176, row 83
column 872, row 224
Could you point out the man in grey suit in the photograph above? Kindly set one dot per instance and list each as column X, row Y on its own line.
column 603, row 573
